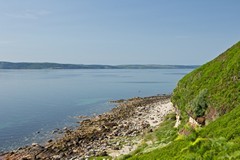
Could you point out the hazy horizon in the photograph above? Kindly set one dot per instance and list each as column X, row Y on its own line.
column 117, row 32
column 97, row 63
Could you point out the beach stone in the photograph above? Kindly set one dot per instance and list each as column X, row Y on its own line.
column 89, row 147
column 35, row 144
column 27, row 157
column 103, row 153
column 20, row 148
column 57, row 157
column 54, row 131
column 155, row 121
column 102, row 133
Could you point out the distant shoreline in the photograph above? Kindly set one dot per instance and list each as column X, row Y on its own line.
column 29, row 65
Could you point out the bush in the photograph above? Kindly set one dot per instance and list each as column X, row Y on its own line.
column 199, row 104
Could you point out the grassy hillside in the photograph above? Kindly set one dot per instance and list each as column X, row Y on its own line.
column 212, row 89
column 219, row 140
column 219, row 78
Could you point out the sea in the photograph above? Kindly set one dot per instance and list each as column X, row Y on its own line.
column 34, row 103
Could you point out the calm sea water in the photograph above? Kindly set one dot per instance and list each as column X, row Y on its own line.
column 35, row 102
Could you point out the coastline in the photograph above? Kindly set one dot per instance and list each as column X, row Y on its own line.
column 114, row 133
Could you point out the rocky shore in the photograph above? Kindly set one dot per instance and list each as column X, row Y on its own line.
column 110, row 134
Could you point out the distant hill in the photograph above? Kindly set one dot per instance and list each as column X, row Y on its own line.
column 24, row 65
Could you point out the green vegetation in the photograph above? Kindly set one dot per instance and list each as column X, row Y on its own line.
column 219, row 140
column 199, row 104
column 100, row 158
column 211, row 89
column 153, row 141
column 221, row 77
column 9, row 65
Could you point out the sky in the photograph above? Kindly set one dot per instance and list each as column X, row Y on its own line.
column 187, row 32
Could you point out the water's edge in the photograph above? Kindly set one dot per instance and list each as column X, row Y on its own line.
column 103, row 134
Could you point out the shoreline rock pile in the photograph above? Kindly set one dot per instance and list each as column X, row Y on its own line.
column 103, row 134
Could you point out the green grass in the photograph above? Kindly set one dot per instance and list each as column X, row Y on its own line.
column 219, row 140
column 159, row 138
column 100, row 158
column 221, row 77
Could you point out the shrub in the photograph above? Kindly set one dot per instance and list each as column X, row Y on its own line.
column 199, row 104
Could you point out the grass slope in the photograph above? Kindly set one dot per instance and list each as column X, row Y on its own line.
column 220, row 77
column 219, row 140
column 220, row 81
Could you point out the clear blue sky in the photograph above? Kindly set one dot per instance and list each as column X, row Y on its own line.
column 117, row 31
